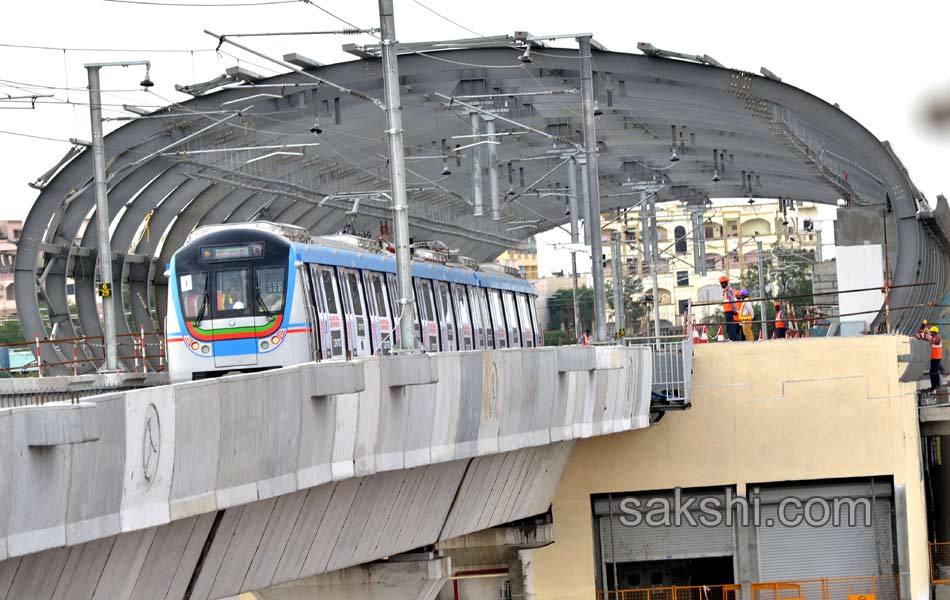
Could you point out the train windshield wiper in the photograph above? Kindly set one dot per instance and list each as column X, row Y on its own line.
column 201, row 309
column 260, row 301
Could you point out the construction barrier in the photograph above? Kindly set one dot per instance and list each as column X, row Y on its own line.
column 940, row 563
column 677, row 592
column 870, row 587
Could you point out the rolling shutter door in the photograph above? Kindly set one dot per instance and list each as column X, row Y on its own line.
column 621, row 543
column 806, row 551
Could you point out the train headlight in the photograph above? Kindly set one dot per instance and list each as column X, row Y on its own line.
column 206, row 349
column 195, row 346
column 275, row 340
column 264, row 345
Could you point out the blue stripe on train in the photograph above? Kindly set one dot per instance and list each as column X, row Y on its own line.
column 235, row 347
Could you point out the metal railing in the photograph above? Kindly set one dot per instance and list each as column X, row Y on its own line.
column 940, row 563
column 81, row 350
column 869, row 587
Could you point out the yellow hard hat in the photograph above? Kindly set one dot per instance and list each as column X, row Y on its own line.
column 934, row 329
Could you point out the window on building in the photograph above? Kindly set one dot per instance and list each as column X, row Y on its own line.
column 680, row 232
column 682, row 278
column 683, row 306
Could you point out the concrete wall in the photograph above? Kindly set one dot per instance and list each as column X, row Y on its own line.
column 334, row 448
column 779, row 411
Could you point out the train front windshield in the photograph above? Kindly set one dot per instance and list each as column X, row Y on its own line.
column 232, row 280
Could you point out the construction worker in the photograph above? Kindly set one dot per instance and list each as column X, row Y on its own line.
column 746, row 315
column 730, row 309
column 584, row 340
column 936, row 355
column 781, row 321
column 924, row 332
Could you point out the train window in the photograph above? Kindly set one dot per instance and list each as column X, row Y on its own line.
column 447, row 316
column 533, row 310
column 193, row 288
column 463, row 317
column 511, row 315
column 329, row 287
column 231, row 292
column 526, row 333
column 394, row 306
column 481, row 301
column 498, row 318
column 478, row 326
column 270, row 289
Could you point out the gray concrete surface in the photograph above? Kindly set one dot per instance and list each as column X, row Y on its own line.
column 250, row 481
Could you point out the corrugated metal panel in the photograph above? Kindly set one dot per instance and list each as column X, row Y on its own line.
column 804, row 551
column 643, row 542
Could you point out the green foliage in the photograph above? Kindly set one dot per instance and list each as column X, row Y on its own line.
column 561, row 307
column 558, row 337
column 10, row 332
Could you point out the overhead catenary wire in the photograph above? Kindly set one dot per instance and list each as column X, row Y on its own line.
column 205, row 4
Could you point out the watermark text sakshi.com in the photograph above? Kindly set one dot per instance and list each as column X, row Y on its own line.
column 728, row 509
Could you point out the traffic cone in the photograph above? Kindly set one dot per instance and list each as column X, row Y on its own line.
column 719, row 336
column 696, row 335
column 704, row 339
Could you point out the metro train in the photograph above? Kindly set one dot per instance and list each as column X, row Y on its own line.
column 257, row 296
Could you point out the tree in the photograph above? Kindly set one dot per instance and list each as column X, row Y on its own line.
column 787, row 275
column 561, row 306
column 11, row 333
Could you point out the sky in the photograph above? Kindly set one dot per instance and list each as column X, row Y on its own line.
column 880, row 63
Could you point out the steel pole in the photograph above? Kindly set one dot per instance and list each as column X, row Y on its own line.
column 493, row 169
column 762, row 305
column 397, row 175
column 476, row 166
column 617, row 273
column 102, row 221
column 593, row 184
column 654, row 258
column 585, row 197
column 572, row 208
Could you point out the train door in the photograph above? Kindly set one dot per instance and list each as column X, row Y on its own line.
column 482, row 306
column 393, row 305
column 527, row 334
column 463, row 317
column 381, row 324
column 446, row 316
column 427, row 316
column 511, row 315
column 233, row 324
column 357, row 321
column 329, row 313
column 497, row 319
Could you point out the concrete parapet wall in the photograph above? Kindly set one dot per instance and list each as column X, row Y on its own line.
column 171, row 453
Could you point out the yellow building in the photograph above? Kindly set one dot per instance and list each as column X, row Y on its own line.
column 772, row 421
column 524, row 258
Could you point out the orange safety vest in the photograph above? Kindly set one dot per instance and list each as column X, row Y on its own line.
column 728, row 300
column 936, row 349
column 585, row 339
column 780, row 319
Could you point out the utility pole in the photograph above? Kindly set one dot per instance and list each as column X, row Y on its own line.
column 476, row 165
column 397, row 175
column 572, row 208
column 110, row 348
column 492, row 168
column 615, row 263
column 762, row 304
column 654, row 259
column 593, row 185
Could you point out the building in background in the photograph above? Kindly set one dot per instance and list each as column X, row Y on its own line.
column 524, row 257
column 9, row 236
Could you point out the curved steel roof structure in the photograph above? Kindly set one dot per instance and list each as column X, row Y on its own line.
column 181, row 167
